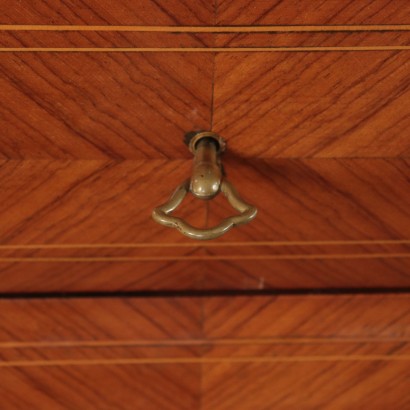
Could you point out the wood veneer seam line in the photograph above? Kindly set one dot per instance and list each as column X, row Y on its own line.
column 207, row 29
column 211, row 244
column 196, row 49
column 202, row 342
column 193, row 360
column 205, row 257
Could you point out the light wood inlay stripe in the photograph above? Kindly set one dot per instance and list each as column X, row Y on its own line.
column 197, row 49
column 191, row 360
column 207, row 29
column 202, row 342
column 206, row 257
column 207, row 245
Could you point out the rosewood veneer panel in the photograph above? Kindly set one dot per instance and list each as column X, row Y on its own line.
column 290, row 39
column 66, row 325
column 150, row 387
column 86, row 225
column 74, row 202
column 84, row 39
column 224, row 353
column 90, row 201
column 330, row 12
column 105, row 12
column 310, row 316
column 320, row 199
column 91, row 320
column 202, row 270
column 305, row 271
column 93, row 106
column 337, row 373
column 338, row 104
column 108, row 275
column 167, row 38
column 306, row 385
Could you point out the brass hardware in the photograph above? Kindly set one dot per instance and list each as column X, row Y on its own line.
column 206, row 182
column 162, row 213
column 207, row 173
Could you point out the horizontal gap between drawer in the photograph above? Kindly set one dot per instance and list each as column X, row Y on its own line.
column 405, row 291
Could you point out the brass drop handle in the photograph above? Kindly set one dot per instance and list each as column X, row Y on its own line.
column 206, row 182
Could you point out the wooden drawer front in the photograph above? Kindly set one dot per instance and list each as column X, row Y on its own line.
column 312, row 100
column 213, row 353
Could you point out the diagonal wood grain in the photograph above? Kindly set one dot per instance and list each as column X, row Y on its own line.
column 373, row 316
column 202, row 273
column 86, row 225
column 95, row 12
column 243, row 352
column 92, row 320
column 301, row 37
column 304, row 273
column 91, row 142
column 150, row 387
column 294, row 12
column 314, row 199
column 316, row 384
column 181, row 267
column 54, row 321
column 102, row 276
column 104, row 107
column 97, row 106
column 313, row 104
column 307, row 39
column 64, row 39
column 90, row 201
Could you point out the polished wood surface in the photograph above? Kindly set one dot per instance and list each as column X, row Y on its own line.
column 84, row 39
column 323, row 367
column 321, row 223
column 300, row 38
column 313, row 100
column 82, row 331
column 313, row 105
column 294, row 12
column 123, row 106
column 94, row 106
column 347, row 200
column 120, row 12
column 209, row 353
